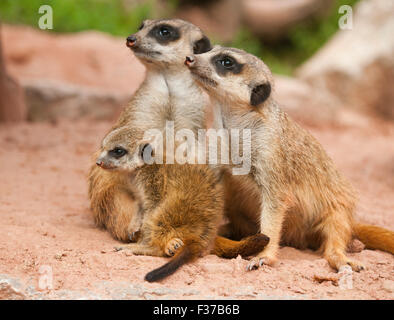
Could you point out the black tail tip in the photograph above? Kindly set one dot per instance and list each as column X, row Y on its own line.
column 151, row 277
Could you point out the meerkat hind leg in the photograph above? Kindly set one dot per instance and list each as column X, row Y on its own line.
column 337, row 259
column 125, row 209
column 337, row 234
column 140, row 249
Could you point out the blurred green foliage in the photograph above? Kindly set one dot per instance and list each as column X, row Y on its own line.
column 122, row 17
column 300, row 44
column 112, row 16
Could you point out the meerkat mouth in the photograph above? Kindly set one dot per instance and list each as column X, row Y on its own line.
column 107, row 166
column 204, row 80
column 142, row 53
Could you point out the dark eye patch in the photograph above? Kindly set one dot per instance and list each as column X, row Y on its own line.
column 201, row 46
column 141, row 26
column 225, row 64
column 117, row 152
column 164, row 33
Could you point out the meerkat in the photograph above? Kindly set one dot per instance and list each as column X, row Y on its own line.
column 168, row 93
column 181, row 204
column 304, row 201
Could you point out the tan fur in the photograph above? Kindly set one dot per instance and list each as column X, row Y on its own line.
column 188, row 205
column 112, row 203
column 182, row 205
column 168, row 93
column 304, row 201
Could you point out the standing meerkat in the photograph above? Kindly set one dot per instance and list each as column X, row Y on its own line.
column 304, row 201
column 181, row 205
column 168, row 93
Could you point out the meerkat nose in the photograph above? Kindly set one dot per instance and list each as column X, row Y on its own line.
column 189, row 61
column 131, row 40
column 99, row 163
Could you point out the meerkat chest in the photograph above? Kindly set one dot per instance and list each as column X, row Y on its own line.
column 189, row 111
column 257, row 141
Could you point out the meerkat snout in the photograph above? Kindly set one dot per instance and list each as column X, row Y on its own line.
column 131, row 40
column 189, row 61
column 104, row 163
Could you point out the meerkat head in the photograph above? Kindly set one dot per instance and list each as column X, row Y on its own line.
column 230, row 74
column 167, row 42
column 124, row 149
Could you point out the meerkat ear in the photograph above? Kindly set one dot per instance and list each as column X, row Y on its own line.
column 260, row 93
column 201, row 46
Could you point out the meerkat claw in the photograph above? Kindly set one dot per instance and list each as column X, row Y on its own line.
column 256, row 263
column 252, row 265
column 172, row 246
column 133, row 236
column 356, row 266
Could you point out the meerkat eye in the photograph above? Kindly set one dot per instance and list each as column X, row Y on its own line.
column 141, row 26
column 146, row 152
column 164, row 32
column 227, row 62
column 117, row 152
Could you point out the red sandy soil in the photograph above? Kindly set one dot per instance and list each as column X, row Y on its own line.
column 46, row 221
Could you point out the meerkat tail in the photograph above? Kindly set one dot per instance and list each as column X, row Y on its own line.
column 185, row 254
column 249, row 246
column 375, row 237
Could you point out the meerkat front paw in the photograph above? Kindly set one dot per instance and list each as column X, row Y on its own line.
column 356, row 266
column 259, row 261
column 134, row 236
column 133, row 231
column 172, row 246
column 338, row 260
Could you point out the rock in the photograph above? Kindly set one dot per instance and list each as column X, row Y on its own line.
column 271, row 19
column 299, row 99
column 10, row 290
column 357, row 66
column 12, row 100
column 355, row 246
column 71, row 75
column 59, row 256
column 49, row 100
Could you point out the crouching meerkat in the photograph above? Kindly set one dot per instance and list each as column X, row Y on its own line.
column 181, row 205
column 304, row 201
column 168, row 93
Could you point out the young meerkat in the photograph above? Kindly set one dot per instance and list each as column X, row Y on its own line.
column 168, row 93
column 181, row 205
column 304, row 201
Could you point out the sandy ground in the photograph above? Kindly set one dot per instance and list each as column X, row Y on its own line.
column 47, row 234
